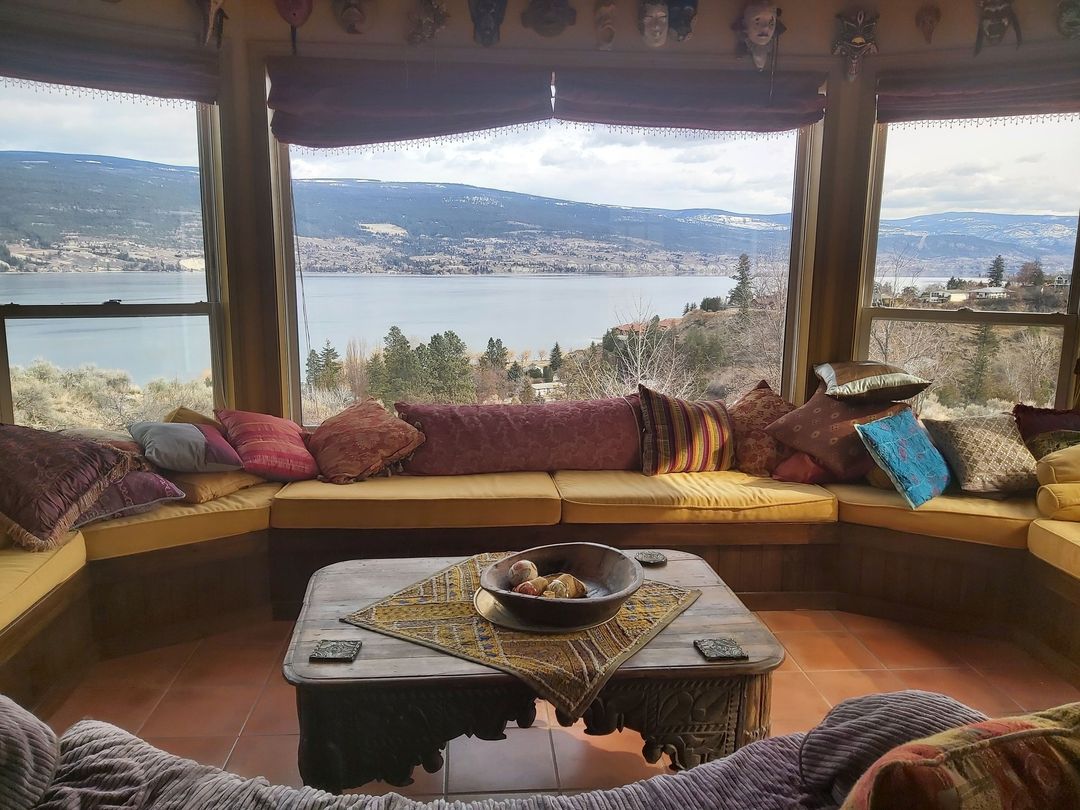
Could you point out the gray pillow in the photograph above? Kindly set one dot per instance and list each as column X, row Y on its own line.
column 185, row 448
column 986, row 453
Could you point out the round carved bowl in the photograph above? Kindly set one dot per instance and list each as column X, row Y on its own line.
column 609, row 576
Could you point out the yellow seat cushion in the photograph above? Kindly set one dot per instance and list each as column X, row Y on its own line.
column 622, row 496
column 181, row 524
column 955, row 517
column 420, row 502
column 27, row 576
column 1060, row 467
column 1059, row 501
column 1056, row 542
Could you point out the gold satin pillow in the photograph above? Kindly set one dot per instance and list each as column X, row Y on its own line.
column 207, row 486
column 191, row 417
column 868, row 381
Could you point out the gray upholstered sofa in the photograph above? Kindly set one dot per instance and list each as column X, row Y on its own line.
column 95, row 765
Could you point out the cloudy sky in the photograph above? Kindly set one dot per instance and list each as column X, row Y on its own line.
column 1029, row 167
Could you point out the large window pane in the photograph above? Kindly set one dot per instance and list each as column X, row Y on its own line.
column 975, row 368
column 107, row 372
column 451, row 271
column 104, row 194
column 979, row 214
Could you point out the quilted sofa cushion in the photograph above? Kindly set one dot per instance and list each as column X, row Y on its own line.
column 619, row 496
column 27, row 576
column 956, row 517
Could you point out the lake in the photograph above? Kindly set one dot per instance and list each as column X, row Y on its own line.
column 529, row 313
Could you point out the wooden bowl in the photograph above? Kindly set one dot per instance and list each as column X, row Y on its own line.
column 609, row 576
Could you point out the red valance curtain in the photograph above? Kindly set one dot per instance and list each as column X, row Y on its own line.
column 109, row 64
column 1047, row 88
column 690, row 99
column 339, row 102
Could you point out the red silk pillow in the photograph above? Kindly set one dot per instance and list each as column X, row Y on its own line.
column 756, row 452
column 268, row 445
column 361, row 441
column 800, row 468
column 597, row 434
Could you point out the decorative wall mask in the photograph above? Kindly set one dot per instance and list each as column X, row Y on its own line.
column 1068, row 19
column 487, row 18
column 429, row 18
column 604, row 20
column 653, row 22
column 295, row 13
column 681, row 16
column 857, row 40
column 996, row 17
column 354, row 15
column 758, row 31
column 548, row 18
column 214, row 16
column 927, row 19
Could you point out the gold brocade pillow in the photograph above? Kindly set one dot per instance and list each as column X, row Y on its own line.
column 986, row 453
column 208, row 486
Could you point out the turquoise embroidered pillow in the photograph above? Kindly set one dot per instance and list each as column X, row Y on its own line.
column 902, row 448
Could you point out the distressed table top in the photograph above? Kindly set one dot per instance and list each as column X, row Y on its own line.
column 342, row 588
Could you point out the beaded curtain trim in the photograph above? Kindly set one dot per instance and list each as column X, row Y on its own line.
column 567, row 669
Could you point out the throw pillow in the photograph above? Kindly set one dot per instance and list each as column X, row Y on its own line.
column 756, row 452
column 361, row 441
column 902, row 448
column 839, row 750
column 878, row 479
column 1059, row 467
column 868, row 381
column 203, row 487
column 684, row 436
column 800, row 468
column 595, row 434
column 268, row 445
column 986, row 454
column 120, row 439
column 1047, row 429
column 825, row 428
column 1031, row 761
column 48, row 480
column 135, row 493
column 185, row 447
column 191, row 417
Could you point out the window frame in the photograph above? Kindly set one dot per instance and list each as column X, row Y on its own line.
column 1068, row 321
column 213, row 307
column 805, row 189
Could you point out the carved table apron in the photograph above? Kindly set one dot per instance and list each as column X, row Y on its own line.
column 398, row 704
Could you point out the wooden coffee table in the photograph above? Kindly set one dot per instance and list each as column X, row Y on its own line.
column 398, row 704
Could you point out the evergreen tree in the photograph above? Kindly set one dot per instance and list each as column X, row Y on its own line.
column 445, row 369
column 549, row 374
column 313, row 372
column 495, row 356
column 711, row 304
column 527, row 396
column 402, row 367
column 1031, row 273
column 555, row 359
column 331, row 367
column 981, row 346
column 378, row 381
column 996, row 274
column 954, row 283
column 515, row 372
column 742, row 296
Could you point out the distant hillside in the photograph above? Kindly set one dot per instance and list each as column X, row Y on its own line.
column 49, row 199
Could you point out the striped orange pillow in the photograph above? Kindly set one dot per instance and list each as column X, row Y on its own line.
column 684, row 436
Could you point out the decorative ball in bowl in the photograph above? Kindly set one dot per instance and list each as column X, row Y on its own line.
column 609, row 578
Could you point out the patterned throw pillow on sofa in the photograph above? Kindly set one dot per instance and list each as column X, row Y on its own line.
column 986, row 454
column 868, row 381
column 268, row 446
column 683, row 435
column 1018, row 763
column 1047, row 429
column 756, row 452
column 902, row 448
column 361, row 441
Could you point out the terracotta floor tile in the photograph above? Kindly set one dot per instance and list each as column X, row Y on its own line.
column 814, row 650
column 271, row 756
column 218, row 664
column 858, row 623
column 270, row 632
column 988, row 653
column 836, row 687
column 588, row 763
column 788, row 665
column 965, row 685
column 274, row 712
column 1034, row 690
column 794, row 697
column 126, row 706
column 788, row 620
column 204, row 750
column 781, row 728
column 523, row 761
column 201, row 711
column 911, row 648
column 150, row 668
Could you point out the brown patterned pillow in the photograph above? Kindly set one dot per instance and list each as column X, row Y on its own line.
column 986, row 453
column 361, row 441
column 825, row 428
column 868, row 381
column 48, row 480
column 756, row 452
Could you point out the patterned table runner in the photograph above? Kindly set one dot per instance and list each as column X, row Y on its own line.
column 567, row 669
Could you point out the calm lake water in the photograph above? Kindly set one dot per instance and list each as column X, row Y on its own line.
column 529, row 313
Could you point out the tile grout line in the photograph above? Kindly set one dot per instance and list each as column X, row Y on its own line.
column 168, row 687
